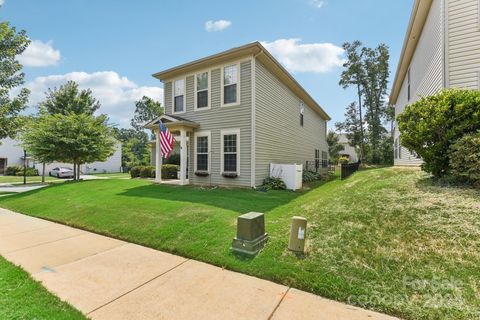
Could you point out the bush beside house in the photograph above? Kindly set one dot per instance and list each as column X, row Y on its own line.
column 18, row 171
column 169, row 171
column 443, row 130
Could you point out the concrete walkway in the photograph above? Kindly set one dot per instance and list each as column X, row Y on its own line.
column 111, row 279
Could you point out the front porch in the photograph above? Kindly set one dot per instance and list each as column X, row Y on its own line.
column 182, row 129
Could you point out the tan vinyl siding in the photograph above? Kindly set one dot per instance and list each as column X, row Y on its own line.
column 426, row 71
column 216, row 119
column 464, row 43
column 279, row 138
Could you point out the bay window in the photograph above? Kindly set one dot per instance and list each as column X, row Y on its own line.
column 179, row 96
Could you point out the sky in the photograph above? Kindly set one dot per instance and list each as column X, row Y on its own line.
column 114, row 46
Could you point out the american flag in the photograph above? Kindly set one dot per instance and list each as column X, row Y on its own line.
column 166, row 140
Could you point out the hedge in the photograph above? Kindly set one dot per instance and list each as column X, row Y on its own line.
column 18, row 171
column 169, row 171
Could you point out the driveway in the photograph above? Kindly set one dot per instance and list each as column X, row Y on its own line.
column 107, row 278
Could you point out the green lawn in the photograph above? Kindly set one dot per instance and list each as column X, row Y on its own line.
column 386, row 239
column 117, row 175
column 21, row 297
column 34, row 179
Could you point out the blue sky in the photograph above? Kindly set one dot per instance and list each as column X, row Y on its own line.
column 114, row 46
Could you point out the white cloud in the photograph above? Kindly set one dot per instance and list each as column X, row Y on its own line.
column 117, row 95
column 2, row 2
column 39, row 54
column 218, row 25
column 318, row 3
column 309, row 57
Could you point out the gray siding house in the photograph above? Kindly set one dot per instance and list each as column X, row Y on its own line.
column 234, row 113
column 441, row 50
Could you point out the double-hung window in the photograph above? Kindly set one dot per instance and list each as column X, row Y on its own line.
column 231, row 151
column 179, row 96
column 324, row 159
column 317, row 159
column 302, row 111
column 202, row 140
column 230, row 80
column 201, row 90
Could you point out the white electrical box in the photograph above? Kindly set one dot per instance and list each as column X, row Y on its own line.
column 291, row 174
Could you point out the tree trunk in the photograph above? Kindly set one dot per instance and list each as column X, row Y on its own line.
column 78, row 171
column 43, row 173
column 362, row 136
column 74, row 171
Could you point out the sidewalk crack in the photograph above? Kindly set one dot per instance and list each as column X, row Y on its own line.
column 279, row 303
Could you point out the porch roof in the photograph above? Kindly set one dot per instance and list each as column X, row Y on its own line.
column 171, row 121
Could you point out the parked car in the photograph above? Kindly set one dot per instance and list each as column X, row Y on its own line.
column 61, row 172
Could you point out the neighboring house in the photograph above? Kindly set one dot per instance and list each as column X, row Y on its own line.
column 348, row 151
column 11, row 154
column 241, row 111
column 441, row 50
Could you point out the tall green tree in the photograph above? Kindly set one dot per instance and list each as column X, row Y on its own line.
column 68, row 98
column 146, row 109
column 135, row 147
column 334, row 147
column 353, row 76
column 72, row 138
column 367, row 70
column 12, row 44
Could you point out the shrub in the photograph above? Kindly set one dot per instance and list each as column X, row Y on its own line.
column 343, row 160
column 135, row 171
column 272, row 183
column 310, row 176
column 147, row 172
column 31, row 172
column 465, row 158
column 431, row 125
column 12, row 170
column 169, row 171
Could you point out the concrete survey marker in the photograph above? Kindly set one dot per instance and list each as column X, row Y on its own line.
column 251, row 236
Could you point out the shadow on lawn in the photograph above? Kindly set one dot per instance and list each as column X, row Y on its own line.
column 234, row 199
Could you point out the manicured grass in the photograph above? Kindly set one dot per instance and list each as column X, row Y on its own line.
column 386, row 239
column 34, row 179
column 21, row 297
column 118, row 175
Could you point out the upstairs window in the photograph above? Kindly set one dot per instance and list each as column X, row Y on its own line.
column 201, row 85
column 230, row 84
column 179, row 96
column 302, row 111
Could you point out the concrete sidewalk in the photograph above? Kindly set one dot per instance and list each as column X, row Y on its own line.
column 110, row 279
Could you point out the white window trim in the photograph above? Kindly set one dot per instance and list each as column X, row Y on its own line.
column 184, row 95
column 209, row 88
column 206, row 133
column 222, row 85
column 222, row 134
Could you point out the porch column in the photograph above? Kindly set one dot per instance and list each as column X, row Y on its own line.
column 183, row 156
column 158, row 159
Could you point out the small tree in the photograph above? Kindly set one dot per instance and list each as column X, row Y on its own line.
column 433, row 124
column 333, row 146
column 69, row 99
column 352, row 126
column 74, row 138
column 12, row 44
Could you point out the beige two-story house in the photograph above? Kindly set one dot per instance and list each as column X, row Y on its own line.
column 441, row 50
column 236, row 112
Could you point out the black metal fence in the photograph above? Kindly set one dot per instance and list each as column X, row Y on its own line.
column 348, row 169
column 319, row 167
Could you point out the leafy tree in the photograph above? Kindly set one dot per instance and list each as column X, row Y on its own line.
column 354, row 75
column 135, row 147
column 367, row 70
column 433, row 124
column 12, row 44
column 72, row 138
column 352, row 126
column 333, row 146
column 146, row 109
column 69, row 99
column 465, row 158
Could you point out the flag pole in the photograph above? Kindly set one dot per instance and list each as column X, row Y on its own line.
column 158, row 159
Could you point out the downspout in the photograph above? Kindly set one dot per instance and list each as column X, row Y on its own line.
column 253, row 122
